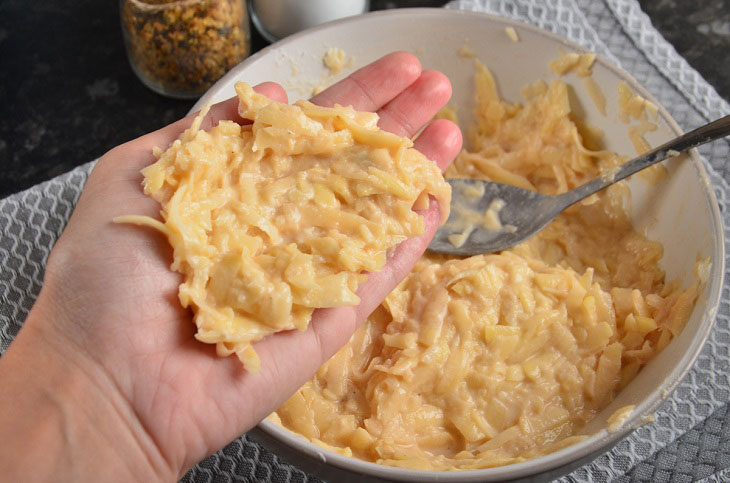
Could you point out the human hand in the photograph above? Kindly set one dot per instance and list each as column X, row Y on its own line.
column 109, row 311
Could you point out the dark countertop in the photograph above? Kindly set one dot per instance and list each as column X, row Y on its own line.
column 68, row 93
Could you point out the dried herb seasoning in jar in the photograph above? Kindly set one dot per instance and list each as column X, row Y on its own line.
column 179, row 48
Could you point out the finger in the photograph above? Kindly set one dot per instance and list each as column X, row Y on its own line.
column 440, row 142
column 289, row 359
column 416, row 105
column 372, row 86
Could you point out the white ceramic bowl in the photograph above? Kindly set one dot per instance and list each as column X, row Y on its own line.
column 681, row 212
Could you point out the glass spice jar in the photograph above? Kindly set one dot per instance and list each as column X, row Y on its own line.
column 179, row 48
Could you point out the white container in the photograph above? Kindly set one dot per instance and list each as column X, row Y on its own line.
column 681, row 212
column 276, row 19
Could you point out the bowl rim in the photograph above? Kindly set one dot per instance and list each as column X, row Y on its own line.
column 600, row 441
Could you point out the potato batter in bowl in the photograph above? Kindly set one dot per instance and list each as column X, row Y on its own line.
column 489, row 360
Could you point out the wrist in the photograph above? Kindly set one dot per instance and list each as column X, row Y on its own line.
column 61, row 418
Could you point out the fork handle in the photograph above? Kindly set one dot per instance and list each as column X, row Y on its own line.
column 701, row 135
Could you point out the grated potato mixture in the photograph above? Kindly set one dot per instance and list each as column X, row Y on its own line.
column 488, row 360
column 273, row 219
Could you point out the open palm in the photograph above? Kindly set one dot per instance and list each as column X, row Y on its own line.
column 109, row 300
